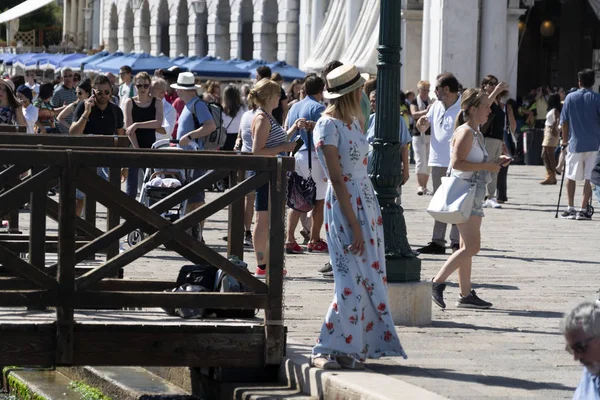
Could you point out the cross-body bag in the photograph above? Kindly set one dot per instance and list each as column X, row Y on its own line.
column 453, row 200
column 302, row 193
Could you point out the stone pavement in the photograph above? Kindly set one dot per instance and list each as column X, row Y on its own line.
column 532, row 266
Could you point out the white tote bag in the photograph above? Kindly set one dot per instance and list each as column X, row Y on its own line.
column 453, row 200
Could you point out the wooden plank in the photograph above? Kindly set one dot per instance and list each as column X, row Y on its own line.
column 18, row 195
column 142, row 158
column 90, row 207
column 274, row 330
column 37, row 226
column 27, row 345
column 82, row 225
column 64, row 141
column 23, row 246
column 108, row 284
column 11, row 173
column 28, row 298
column 161, row 206
column 235, row 226
column 66, row 266
column 105, row 299
column 20, row 267
column 113, row 218
column 12, row 129
column 167, row 347
column 170, row 230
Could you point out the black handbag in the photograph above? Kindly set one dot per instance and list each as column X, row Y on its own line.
column 302, row 193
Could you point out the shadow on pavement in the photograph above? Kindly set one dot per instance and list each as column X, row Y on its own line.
column 488, row 380
column 532, row 259
column 486, row 286
column 471, row 327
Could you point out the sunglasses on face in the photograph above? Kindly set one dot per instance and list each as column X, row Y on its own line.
column 493, row 83
column 579, row 347
column 102, row 92
column 145, row 86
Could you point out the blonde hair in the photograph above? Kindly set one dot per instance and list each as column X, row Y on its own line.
column 277, row 77
column 347, row 107
column 470, row 98
column 261, row 92
column 160, row 82
column 142, row 76
column 423, row 84
column 211, row 85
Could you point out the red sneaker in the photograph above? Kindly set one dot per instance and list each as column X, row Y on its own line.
column 293, row 248
column 262, row 273
column 318, row 247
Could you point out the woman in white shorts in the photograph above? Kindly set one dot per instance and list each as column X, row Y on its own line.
column 420, row 141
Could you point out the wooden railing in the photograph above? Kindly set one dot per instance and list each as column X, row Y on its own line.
column 58, row 286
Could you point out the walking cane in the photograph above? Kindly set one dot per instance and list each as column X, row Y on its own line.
column 562, row 181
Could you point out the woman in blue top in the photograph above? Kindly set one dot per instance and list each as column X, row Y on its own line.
column 268, row 139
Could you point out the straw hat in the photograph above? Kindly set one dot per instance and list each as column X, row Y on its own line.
column 9, row 85
column 343, row 80
column 185, row 81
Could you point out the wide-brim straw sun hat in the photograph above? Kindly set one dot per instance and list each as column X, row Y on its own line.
column 9, row 85
column 186, row 81
column 343, row 80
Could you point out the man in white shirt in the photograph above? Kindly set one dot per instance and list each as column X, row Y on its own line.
column 32, row 84
column 127, row 88
column 159, row 88
column 440, row 119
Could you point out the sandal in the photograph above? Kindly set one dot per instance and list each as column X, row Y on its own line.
column 348, row 362
column 324, row 361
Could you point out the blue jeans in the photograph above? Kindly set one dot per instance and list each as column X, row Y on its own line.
column 596, row 190
column 132, row 182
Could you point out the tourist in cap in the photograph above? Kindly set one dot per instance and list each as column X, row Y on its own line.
column 10, row 109
column 358, row 324
column 30, row 112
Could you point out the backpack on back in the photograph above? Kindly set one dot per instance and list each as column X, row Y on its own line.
column 217, row 138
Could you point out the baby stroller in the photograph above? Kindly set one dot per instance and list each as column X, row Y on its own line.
column 158, row 184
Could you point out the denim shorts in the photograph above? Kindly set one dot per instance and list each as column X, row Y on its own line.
column 200, row 196
column 480, row 191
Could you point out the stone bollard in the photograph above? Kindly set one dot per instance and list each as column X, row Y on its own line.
column 410, row 303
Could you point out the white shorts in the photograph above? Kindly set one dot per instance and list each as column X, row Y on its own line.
column 421, row 151
column 580, row 165
column 318, row 174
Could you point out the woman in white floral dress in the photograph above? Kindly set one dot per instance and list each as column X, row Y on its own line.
column 358, row 324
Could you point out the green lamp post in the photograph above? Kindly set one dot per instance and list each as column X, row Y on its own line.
column 401, row 263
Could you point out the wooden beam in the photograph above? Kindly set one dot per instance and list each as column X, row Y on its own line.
column 82, row 225
column 63, row 141
column 37, row 226
column 235, row 226
column 175, row 230
column 20, row 267
column 274, row 330
column 19, row 194
column 113, row 219
column 23, row 246
column 11, row 173
column 27, row 344
column 66, row 266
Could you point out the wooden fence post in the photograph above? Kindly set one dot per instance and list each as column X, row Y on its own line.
column 112, row 218
column 235, row 242
column 37, row 224
column 66, row 266
column 274, row 330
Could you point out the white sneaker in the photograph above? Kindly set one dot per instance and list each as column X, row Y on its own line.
column 122, row 248
column 492, row 203
column 427, row 192
column 420, row 191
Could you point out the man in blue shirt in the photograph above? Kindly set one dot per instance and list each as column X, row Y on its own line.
column 190, row 130
column 310, row 109
column 581, row 328
column 404, row 138
column 580, row 120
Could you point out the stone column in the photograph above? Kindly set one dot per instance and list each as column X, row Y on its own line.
column 512, row 49
column 425, row 42
column 235, row 30
column 154, row 37
column 304, row 29
column 81, row 34
column 265, row 34
column 451, row 43
column 73, row 17
column 173, row 35
column 412, row 32
column 352, row 12
column 493, row 49
column 317, row 18
column 287, row 32
column 218, row 35
column 66, row 9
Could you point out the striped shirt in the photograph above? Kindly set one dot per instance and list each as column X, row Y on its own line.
column 277, row 136
column 63, row 96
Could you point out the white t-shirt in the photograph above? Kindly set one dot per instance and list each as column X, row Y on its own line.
column 35, row 88
column 31, row 116
column 442, row 129
column 550, row 118
column 126, row 91
column 233, row 124
column 169, row 120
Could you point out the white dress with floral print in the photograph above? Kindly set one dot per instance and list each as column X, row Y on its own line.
column 358, row 322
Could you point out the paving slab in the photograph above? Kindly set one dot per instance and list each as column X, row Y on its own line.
column 532, row 266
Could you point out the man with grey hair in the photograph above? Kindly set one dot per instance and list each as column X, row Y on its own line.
column 63, row 95
column 581, row 328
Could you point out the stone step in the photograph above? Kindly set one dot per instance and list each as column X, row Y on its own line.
column 127, row 383
column 35, row 383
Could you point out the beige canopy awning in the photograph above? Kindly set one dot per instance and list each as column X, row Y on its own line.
column 23, row 9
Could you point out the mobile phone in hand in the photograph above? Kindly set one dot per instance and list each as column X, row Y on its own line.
column 299, row 143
